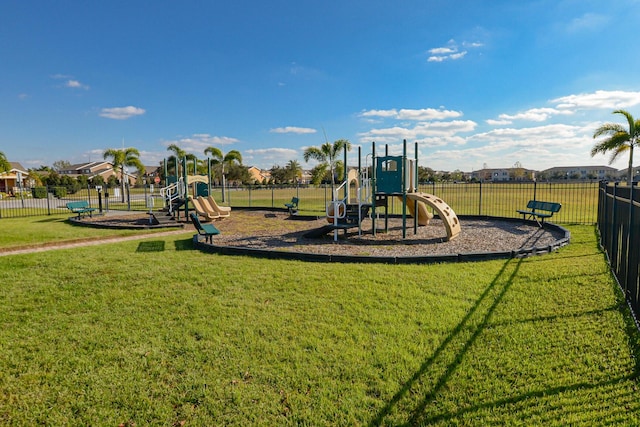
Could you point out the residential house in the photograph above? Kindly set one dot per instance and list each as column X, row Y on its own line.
column 258, row 175
column 581, row 172
column 506, row 174
column 93, row 169
column 15, row 179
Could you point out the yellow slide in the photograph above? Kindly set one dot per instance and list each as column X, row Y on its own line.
column 424, row 216
column 446, row 214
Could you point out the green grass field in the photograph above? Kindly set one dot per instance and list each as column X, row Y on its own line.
column 579, row 199
column 153, row 332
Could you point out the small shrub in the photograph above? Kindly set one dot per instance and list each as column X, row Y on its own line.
column 39, row 192
column 59, row 192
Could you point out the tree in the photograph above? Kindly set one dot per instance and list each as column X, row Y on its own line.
column 5, row 166
column 425, row 174
column 318, row 173
column 220, row 160
column 178, row 155
column 120, row 159
column 60, row 165
column 517, row 172
column 618, row 140
column 288, row 174
column 327, row 154
column 277, row 174
column 293, row 171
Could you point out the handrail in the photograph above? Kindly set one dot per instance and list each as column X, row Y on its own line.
column 172, row 192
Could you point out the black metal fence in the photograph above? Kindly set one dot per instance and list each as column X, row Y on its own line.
column 52, row 200
column 619, row 228
column 579, row 199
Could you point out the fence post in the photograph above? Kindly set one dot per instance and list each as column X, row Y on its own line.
column 614, row 238
column 630, row 240
column 480, row 199
column 127, row 188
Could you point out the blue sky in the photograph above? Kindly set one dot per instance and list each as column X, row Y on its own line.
column 476, row 83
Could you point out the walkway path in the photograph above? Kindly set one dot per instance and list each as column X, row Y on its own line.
column 86, row 242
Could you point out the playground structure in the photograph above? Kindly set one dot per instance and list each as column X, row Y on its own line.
column 181, row 189
column 392, row 177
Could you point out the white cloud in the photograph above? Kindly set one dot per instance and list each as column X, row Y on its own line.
column 422, row 131
column 75, row 84
column 121, row 113
column 493, row 122
column 455, row 56
column 567, row 105
column 451, row 143
column 411, row 114
column 441, row 51
column 600, row 99
column 292, row 129
column 534, row 114
column 379, row 113
column 588, row 22
column 266, row 158
column 451, row 52
column 198, row 142
column 535, row 147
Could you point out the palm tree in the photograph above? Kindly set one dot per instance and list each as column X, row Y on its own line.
column 327, row 154
column 219, row 158
column 618, row 140
column 123, row 158
column 178, row 154
column 293, row 171
column 5, row 166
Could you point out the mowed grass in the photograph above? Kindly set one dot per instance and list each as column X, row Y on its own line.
column 579, row 200
column 155, row 333
column 35, row 231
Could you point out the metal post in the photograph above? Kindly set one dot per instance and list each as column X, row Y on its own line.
column 186, row 188
column 345, row 176
column 374, row 198
column 209, row 176
column 630, row 240
column 128, row 189
column 403, row 179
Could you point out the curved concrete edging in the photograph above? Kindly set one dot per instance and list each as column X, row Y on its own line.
column 429, row 259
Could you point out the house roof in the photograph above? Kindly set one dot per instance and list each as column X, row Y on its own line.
column 17, row 167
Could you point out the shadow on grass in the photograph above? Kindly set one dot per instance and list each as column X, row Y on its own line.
column 152, row 246
column 476, row 321
column 465, row 325
column 52, row 220
column 183, row 245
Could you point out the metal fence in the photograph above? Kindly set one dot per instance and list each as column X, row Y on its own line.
column 619, row 228
column 52, row 200
column 579, row 199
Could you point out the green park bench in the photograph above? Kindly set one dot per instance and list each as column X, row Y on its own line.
column 206, row 230
column 539, row 210
column 292, row 206
column 81, row 208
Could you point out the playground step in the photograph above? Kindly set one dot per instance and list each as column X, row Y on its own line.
column 160, row 217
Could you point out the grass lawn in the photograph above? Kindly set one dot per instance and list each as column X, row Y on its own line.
column 30, row 231
column 154, row 333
